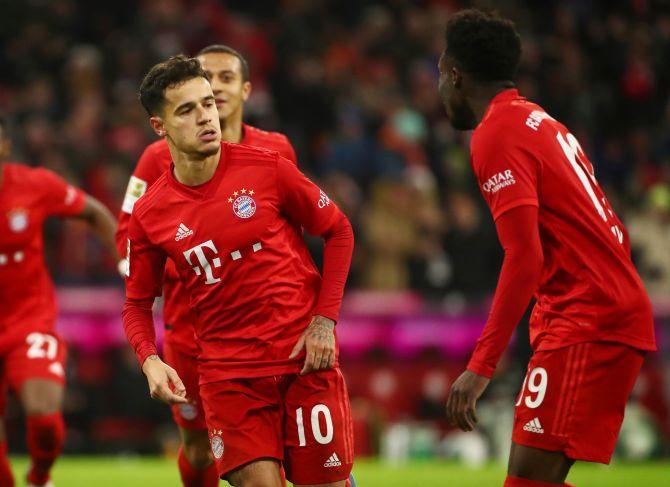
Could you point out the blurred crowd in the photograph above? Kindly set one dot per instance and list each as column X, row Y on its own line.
column 354, row 85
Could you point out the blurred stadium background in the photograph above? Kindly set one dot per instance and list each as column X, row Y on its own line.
column 354, row 86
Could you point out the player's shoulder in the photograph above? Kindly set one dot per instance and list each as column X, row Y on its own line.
column 266, row 135
column 268, row 140
column 16, row 170
column 153, row 198
column 157, row 150
column 248, row 155
column 35, row 176
column 508, row 125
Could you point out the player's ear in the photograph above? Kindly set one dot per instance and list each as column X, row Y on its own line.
column 246, row 90
column 158, row 125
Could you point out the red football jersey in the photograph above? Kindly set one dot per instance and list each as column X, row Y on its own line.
column 155, row 160
column 589, row 289
column 27, row 197
column 237, row 246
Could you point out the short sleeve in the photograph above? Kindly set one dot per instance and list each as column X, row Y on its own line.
column 60, row 198
column 507, row 173
column 302, row 201
column 146, row 263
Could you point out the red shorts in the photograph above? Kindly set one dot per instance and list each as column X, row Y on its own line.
column 38, row 356
column 302, row 421
column 188, row 416
column 573, row 399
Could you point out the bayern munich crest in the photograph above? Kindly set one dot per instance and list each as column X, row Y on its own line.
column 188, row 411
column 244, row 205
column 217, row 444
column 18, row 220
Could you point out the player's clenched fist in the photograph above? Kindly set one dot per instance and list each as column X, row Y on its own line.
column 319, row 343
column 160, row 377
column 463, row 398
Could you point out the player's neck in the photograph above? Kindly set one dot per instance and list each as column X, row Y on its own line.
column 193, row 171
column 483, row 94
column 231, row 128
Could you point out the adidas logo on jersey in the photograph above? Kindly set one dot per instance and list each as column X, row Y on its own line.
column 533, row 426
column 333, row 461
column 182, row 232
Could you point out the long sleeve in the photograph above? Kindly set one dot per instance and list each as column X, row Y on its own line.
column 143, row 284
column 519, row 236
column 138, row 323
column 339, row 246
column 306, row 204
column 152, row 163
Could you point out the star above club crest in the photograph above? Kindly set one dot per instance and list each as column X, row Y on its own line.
column 244, row 191
column 230, row 200
column 235, row 193
column 251, row 192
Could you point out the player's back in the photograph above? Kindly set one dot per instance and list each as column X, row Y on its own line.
column 589, row 288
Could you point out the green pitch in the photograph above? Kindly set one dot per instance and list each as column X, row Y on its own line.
column 147, row 472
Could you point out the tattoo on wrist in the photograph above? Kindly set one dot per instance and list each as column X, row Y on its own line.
column 321, row 328
column 152, row 357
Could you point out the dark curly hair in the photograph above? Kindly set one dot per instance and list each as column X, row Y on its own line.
column 223, row 49
column 167, row 74
column 484, row 45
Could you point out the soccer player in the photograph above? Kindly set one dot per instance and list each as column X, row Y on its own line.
column 228, row 74
column 229, row 216
column 32, row 355
column 563, row 243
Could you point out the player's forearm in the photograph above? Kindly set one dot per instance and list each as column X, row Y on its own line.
column 121, row 235
column 138, row 324
column 102, row 224
column 339, row 246
column 518, row 282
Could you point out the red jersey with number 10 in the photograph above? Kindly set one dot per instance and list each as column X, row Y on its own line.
column 27, row 197
column 237, row 244
column 589, row 289
column 156, row 159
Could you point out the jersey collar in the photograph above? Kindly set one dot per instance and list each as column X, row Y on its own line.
column 207, row 189
column 504, row 96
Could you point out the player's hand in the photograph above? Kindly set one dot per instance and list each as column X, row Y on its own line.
column 319, row 343
column 122, row 266
column 462, row 399
column 160, row 377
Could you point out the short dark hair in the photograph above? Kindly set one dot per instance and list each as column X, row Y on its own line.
column 176, row 70
column 483, row 44
column 223, row 49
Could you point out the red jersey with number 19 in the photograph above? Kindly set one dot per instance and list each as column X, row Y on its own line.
column 589, row 289
column 155, row 161
column 27, row 197
column 238, row 248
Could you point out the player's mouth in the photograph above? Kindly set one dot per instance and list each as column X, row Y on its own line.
column 220, row 102
column 208, row 135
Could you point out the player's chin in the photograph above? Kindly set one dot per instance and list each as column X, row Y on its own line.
column 210, row 148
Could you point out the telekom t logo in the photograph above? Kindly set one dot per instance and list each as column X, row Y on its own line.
column 203, row 263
